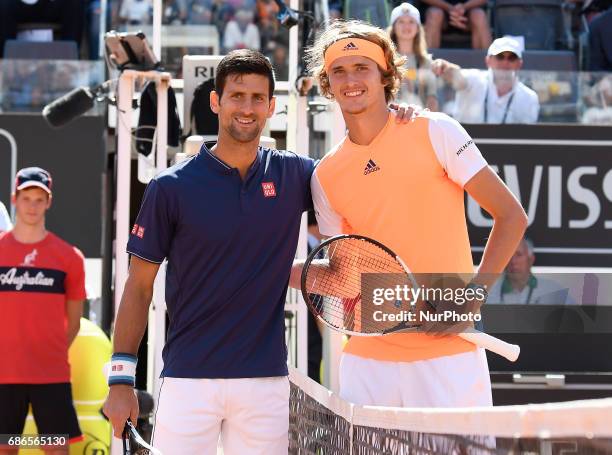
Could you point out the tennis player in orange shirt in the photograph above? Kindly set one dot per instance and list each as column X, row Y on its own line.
column 403, row 185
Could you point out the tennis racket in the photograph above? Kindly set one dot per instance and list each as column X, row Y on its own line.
column 134, row 444
column 343, row 269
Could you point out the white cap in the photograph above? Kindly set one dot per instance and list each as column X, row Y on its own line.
column 506, row 44
column 405, row 9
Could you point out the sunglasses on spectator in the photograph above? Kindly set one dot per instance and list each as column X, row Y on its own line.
column 507, row 56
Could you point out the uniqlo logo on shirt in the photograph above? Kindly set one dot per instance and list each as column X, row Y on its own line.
column 135, row 229
column 117, row 367
column 140, row 233
column 268, row 189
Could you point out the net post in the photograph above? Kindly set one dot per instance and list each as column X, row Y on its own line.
column 332, row 340
column 332, row 349
column 298, row 135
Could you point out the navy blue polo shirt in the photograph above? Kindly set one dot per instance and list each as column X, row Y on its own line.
column 230, row 245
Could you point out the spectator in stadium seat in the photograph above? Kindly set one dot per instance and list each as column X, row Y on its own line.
column 222, row 13
column 597, row 101
column 419, row 85
column 600, row 42
column 60, row 80
column 279, row 61
column 174, row 12
column 267, row 10
column 93, row 11
column 136, row 12
column 518, row 284
column 241, row 4
column 24, row 82
column 268, row 25
column 335, row 9
column 267, row 21
column 200, row 12
column 274, row 38
column 241, row 32
column 590, row 9
column 69, row 14
column 495, row 95
column 469, row 16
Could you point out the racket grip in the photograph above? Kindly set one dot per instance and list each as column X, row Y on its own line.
column 490, row 343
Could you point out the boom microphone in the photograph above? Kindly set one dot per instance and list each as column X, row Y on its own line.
column 286, row 16
column 70, row 106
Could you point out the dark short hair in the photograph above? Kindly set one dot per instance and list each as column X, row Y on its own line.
column 240, row 62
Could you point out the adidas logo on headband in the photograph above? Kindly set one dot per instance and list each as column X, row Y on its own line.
column 355, row 47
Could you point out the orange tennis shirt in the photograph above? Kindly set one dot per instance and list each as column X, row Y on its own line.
column 404, row 189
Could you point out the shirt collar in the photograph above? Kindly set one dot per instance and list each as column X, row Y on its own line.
column 218, row 165
column 377, row 138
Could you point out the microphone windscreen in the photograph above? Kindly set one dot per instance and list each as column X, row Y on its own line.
column 70, row 106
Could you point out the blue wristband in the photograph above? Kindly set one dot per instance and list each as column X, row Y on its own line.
column 122, row 369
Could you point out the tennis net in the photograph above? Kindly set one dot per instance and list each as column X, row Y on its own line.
column 321, row 423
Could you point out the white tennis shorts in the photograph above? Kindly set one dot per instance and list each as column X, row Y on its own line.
column 250, row 415
column 451, row 381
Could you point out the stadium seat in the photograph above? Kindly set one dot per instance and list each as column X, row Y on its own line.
column 550, row 61
column 540, row 22
column 36, row 50
column 456, row 39
column 53, row 27
column 453, row 38
column 465, row 58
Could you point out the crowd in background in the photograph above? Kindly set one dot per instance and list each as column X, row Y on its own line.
column 416, row 29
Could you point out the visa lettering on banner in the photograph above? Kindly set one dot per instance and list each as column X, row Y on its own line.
column 587, row 186
column 562, row 176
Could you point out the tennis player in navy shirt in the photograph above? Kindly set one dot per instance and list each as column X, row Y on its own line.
column 227, row 220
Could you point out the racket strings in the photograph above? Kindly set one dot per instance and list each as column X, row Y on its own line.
column 336, row 287
column 348, row 273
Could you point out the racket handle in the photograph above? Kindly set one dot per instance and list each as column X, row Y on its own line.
column 490, row 343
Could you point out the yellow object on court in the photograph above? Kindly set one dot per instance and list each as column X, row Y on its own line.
column 89, row 352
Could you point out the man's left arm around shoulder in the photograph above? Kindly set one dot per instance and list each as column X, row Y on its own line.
column 509, row 223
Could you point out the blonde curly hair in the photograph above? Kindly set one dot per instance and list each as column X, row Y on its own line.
column 419, row 46
column 340, row 29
